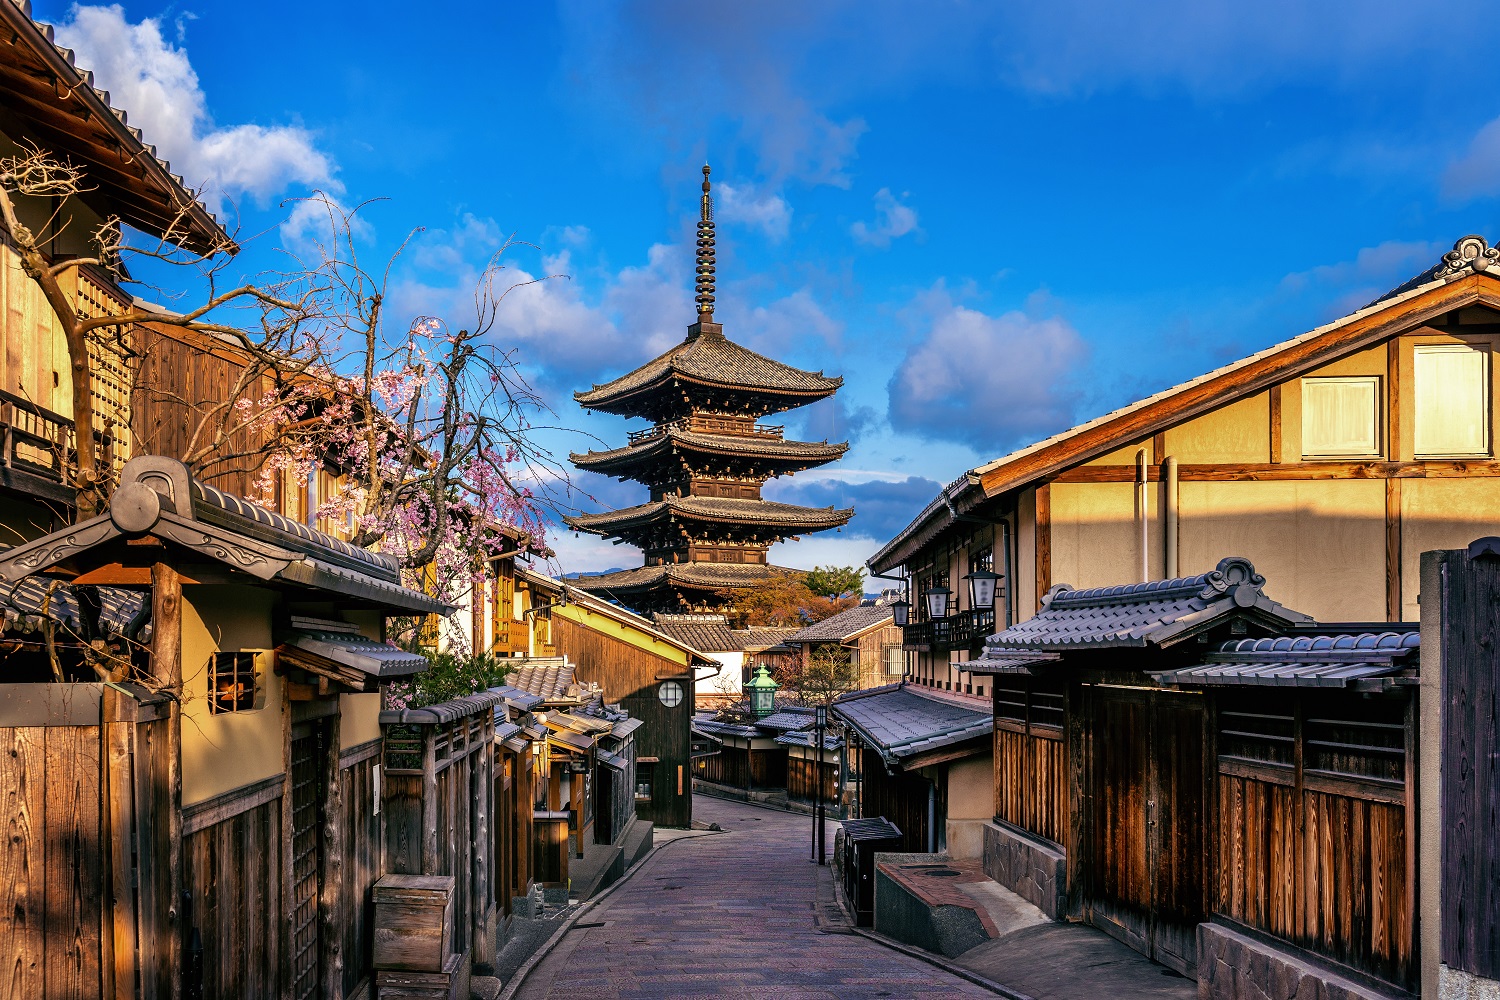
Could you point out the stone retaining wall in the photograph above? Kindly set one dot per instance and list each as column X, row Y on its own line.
column 1028, row 867
column 1233, row 965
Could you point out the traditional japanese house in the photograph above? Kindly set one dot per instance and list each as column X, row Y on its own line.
column 866, row 635
column 1329, row 460
column 706, row 530
column 924, row 764
column 711, row 635
column 204, row 804
column 646, row 672
column 518, row 738
column 1214, row 779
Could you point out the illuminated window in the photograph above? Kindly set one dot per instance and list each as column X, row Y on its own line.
column 1341, row 416
column 231, row 682
column 1452, row 400
column 895, row 661
column 670, row 694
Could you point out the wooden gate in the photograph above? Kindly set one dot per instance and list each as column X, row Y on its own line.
column 1145, row 879
column 308, row 751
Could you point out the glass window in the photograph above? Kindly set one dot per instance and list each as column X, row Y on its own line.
column 895, row 661
column 1452, row 400
column 1341, row 416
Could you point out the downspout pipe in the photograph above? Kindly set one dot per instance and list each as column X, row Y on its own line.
column 932, row 816
column 1141, row 477
column 1170, row 501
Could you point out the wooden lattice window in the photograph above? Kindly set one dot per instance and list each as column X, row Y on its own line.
column 112, row 365
column 231, row 682
column 1263, row 737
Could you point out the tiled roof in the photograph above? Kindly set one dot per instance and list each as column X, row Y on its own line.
column 707, row 576
column 808, row 738
column 1141, row 614
column 705, row 633
column 844, row 625
column 548, row 680
column 714, row 360
column 521, row 701
column 727, row 510
column 348, row 647
column 902, row 723
column 1468, row 252
column 803, row 454
column 26, row 599
column 761, row 637
column 1007, row 661
column 1334, row 660
column 787, row 719
column 713, row 727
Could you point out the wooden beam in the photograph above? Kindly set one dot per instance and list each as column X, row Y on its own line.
column 1212, row 393
column 1393, row 550
column 1044, row 541
column 166, row 666
column 1228, row 472
column 1275, row 397
column 1393, row 396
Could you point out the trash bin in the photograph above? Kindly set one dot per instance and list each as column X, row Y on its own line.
column 863, row 838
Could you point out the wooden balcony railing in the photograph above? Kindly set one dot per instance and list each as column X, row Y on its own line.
column 711, row 425
column 35, row 440
column 963, row 630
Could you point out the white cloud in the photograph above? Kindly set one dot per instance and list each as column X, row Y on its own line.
column 987, row 381
column 766, row 211
column 893, row 220
column 1373, row 271
column 790, row 323
column 154, row 82
column 1477, row 172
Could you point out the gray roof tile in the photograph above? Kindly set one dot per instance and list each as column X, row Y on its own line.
column 902, row 723
column 844, row 625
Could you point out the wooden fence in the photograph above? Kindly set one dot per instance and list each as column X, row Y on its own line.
column 802, row 782
column 439, row 797
column 1031, row 782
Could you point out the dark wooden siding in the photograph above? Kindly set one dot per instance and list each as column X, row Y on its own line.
column 802, row 780
column 900, row 798
column 631, row 676
column 363, row 863
column 730, row 766
column 51, row 871
column 1031, row 783
column 232, row 871
column 1318, row 855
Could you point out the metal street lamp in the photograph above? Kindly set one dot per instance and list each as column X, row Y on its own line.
column 901, row 612
column 762, row 691
column 820, row 723
column 937, row 602
column 982, row 589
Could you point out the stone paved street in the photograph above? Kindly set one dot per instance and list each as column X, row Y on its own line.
column 731, row 915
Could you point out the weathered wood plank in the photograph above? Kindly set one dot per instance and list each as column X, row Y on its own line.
column 23, row 929
column 74, row 876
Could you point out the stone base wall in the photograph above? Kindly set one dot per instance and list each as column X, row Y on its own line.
column 1234, row 966
column 966, row 838
column 1455, row 985
column 1033, row 870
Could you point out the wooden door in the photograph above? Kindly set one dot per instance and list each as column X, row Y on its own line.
column 307, row 859
column 1145, row 882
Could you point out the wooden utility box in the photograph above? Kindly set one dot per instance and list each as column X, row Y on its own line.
column 400, row 984
column 413, row 923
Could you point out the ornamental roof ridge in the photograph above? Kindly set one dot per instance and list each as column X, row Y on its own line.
column 1232, row 573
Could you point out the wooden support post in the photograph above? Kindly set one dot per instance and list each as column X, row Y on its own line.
column 1393, row 605
column 331, row 911
column 166, row 667
column 1043, row 542
column 1275, row 430
column 430, row 856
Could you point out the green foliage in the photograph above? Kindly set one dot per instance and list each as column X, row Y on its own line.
column 828, row 673
column 449, row 675
column 836, row 581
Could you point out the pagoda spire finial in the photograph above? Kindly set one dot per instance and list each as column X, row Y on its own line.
column 706, row 254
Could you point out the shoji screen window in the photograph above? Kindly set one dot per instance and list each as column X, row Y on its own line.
column 1452, row 400
column 1341, row 417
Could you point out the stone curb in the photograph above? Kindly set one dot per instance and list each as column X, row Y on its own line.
column 938, row 961
column 531, row 963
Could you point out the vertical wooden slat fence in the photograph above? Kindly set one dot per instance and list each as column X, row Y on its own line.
column 439, row 780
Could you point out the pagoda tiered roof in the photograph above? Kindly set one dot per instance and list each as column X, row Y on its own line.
column 775, row 454
column 648, row 587
column 709, row 360
column 781, row 518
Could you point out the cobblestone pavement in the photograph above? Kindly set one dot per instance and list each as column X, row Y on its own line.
column 738, row 914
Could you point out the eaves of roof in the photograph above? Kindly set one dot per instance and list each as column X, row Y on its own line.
column 957, row 498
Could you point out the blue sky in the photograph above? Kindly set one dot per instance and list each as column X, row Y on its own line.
column 994, row 220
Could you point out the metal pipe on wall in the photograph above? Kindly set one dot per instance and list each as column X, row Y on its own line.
column 1169, row 522
column 1141, row 511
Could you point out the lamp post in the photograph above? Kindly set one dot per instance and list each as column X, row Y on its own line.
column 820, row 723
column 937, row 602
column 762, row 691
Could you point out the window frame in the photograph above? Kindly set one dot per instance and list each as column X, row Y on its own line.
column 1378, row 431
column 1484, row 348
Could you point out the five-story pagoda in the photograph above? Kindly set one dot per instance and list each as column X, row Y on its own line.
column 706, row 530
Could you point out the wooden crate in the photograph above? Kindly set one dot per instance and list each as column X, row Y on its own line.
column 413, row 923
column 450, row 984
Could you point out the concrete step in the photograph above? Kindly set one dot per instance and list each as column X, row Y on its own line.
column 639, row 836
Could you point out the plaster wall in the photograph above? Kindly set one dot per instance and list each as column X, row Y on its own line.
column 359, row 719
column 1239, row 432
column 726, row 681
column 224, row 752
column 1124, row 455
column 1320, row 544
column 1441, row 514
column 971, row 804
column 1095, row 537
